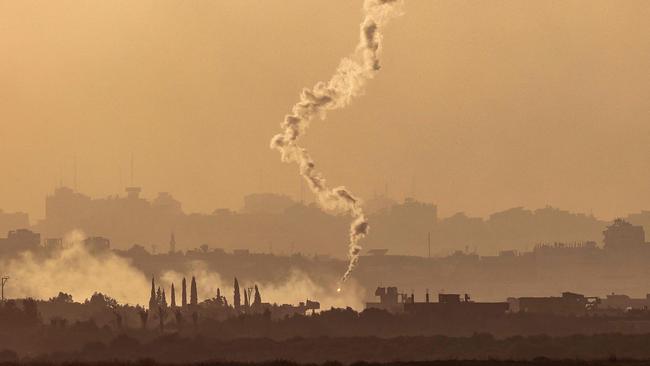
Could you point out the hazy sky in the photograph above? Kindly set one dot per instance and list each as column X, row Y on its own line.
column 479, row 106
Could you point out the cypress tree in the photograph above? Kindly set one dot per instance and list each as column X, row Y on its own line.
column 258, row 298
column 158, row 296
column 194, row 298
column 152, row 298
column 246, row 301
column 173, row 297
column 236, row 298
column 163, row 299
column 184, row 293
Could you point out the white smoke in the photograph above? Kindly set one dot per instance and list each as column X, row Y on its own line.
column 297, row 287
column 75, row 271
column 347, row 82
column 80, row 273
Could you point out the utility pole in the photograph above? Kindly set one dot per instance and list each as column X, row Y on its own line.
column 4, row 280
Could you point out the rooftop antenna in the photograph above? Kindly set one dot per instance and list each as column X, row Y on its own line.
column 4, row 281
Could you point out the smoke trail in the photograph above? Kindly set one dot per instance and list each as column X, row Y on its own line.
column 347, row 82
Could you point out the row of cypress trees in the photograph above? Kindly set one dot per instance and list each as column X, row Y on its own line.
column 158, row 297
column 257, row 300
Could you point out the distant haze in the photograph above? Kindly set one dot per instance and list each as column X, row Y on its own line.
column 479, row 106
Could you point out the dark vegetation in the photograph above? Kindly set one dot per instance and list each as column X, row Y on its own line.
column 337, row 334
column 175, row 349
column 539, row 361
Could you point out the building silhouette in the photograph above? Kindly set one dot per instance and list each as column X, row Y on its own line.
column 621, row 235
column 448, row 305
column 20, row 240
column 568, row 304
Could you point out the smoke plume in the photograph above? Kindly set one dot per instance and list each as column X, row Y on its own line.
column 347, row 82
column 80, row 273
column 296, row 287
column 76, row 271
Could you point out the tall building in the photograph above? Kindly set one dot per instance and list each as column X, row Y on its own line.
column 125, row 219
column 622, row 235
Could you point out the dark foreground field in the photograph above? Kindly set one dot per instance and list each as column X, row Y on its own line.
column 605, row 349
column 540, row 361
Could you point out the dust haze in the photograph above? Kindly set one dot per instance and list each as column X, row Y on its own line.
column 486, row 164
column 79, row 272
column 478, row 107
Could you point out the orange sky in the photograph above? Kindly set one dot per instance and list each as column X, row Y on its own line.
column 484, row 105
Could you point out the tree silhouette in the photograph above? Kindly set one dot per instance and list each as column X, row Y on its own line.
column 163, row 299
column 62, row 297
column 101, row 300
column 144, row 316
column 184, row 293
column 258, row 298
column 173, row 297
column 158, row 296
column 236, row 298
column 194, row 297
column 152, row 298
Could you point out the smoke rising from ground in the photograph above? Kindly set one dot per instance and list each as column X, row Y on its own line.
column 76, row 271
column 80, row 273
column 297, row 287
column 347, row 82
